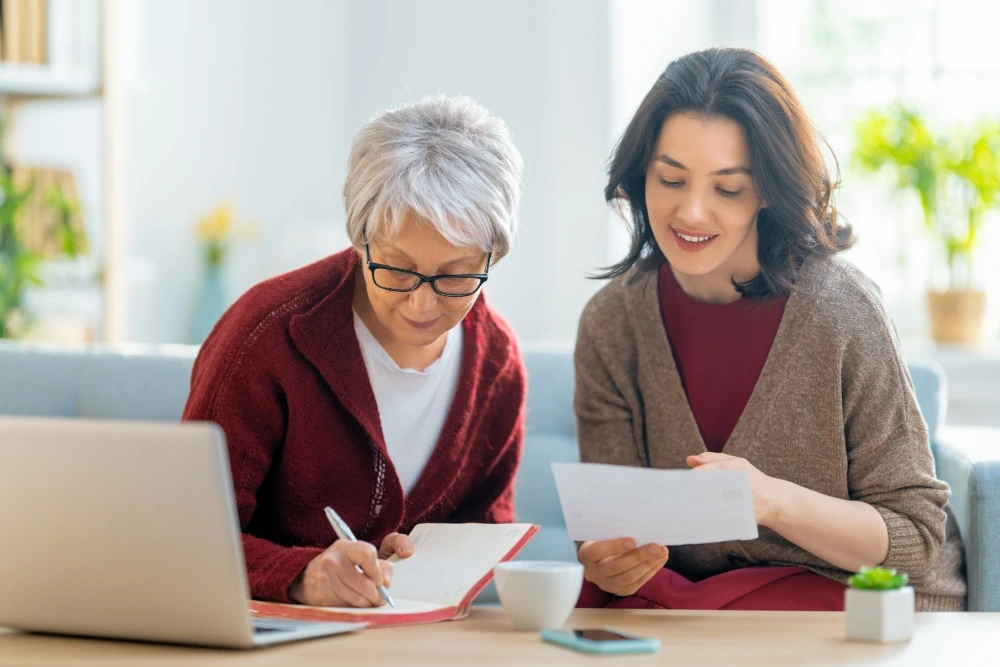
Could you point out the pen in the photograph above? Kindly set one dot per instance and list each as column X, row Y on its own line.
column 344, row 532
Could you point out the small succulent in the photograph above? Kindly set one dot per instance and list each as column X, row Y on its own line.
column 878, row 579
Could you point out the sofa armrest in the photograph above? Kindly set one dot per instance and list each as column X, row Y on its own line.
column 968, row 459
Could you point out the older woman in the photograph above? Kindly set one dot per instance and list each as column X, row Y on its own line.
column 733, row 338
column 377, row 380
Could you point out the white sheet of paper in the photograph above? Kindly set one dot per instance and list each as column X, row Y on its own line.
column 450, row 558
column 670, row 507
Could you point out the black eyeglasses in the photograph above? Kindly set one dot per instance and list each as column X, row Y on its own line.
column 447, row 284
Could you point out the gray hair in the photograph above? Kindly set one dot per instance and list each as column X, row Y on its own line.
column 445, row 159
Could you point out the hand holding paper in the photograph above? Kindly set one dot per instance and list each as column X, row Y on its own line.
column 618, row 566
column 669, row 507
column 764, row 490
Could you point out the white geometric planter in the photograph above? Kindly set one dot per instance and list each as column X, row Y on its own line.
column 880, row 616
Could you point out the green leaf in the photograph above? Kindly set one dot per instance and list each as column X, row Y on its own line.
column 879, row 579
column 954, row 176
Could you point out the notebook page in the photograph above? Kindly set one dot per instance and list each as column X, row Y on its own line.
column 449, row 559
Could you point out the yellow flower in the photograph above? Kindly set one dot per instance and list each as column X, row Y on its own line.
column 217, row 229
column 217, row 225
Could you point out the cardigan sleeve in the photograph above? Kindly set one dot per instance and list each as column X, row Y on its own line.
column 494, row 501
column 890, row 465
column 232, row 386
column 604, row 412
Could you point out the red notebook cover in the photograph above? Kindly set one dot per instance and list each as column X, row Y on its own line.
column 410, row 611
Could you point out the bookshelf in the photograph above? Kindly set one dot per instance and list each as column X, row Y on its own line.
column 54, row 109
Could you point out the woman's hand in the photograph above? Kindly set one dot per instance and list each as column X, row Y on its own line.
column 764, row 490
column 395, row 544
column 332, row 580
column 618, row 567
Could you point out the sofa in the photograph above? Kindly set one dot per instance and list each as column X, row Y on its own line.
column 151, row 383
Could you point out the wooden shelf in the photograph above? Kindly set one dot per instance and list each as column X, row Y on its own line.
column 26, row 79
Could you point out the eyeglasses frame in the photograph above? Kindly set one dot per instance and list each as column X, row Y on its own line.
column 373, row 266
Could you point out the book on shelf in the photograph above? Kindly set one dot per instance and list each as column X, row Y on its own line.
column 34, row 31
column 25, row 31
column 10, row 25
column 451, row 564
column 62, row 34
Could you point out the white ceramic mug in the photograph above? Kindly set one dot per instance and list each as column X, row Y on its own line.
column 538, row 594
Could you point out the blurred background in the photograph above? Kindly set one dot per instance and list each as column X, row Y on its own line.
column 162, row 156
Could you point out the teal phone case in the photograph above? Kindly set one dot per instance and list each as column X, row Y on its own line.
column 616, row 647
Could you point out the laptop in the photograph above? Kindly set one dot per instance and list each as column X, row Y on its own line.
column 127, row 530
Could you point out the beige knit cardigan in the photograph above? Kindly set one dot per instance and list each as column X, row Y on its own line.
column 833, row 411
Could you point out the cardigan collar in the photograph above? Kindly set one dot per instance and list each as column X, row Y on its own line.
column 643, row 302
column 325, row 337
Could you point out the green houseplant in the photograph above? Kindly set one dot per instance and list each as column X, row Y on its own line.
column 956, row 179
column 19, row 267
column 879, row 606
column 21, row 262
column 878, row 579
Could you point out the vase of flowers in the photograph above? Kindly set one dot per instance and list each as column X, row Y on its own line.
column 215, row 232
column 879, row 606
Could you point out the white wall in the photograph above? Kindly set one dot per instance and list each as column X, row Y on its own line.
column 257, row 102
column 542, row 67
column 228, row 100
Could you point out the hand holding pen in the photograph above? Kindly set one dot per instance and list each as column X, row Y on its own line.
column 344, row 532
column 349, row 573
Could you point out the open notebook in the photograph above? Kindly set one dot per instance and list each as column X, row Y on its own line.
column 450, row 565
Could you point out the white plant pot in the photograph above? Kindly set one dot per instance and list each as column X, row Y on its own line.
column 880, row 616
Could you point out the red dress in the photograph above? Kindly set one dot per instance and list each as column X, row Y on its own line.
column 719, row 350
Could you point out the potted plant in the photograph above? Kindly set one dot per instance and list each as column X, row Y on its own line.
column 879, row 606
column 957, row 181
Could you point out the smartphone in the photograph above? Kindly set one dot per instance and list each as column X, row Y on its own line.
column 601, row 640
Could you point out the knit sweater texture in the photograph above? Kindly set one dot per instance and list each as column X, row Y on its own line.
column 833, row 410
column 283, row 375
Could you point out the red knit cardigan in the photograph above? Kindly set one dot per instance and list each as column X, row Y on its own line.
column 282, row 374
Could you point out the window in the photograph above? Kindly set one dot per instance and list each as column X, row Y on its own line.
column 848, row 56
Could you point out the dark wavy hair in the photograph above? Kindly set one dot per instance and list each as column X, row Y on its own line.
column 787, row 166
